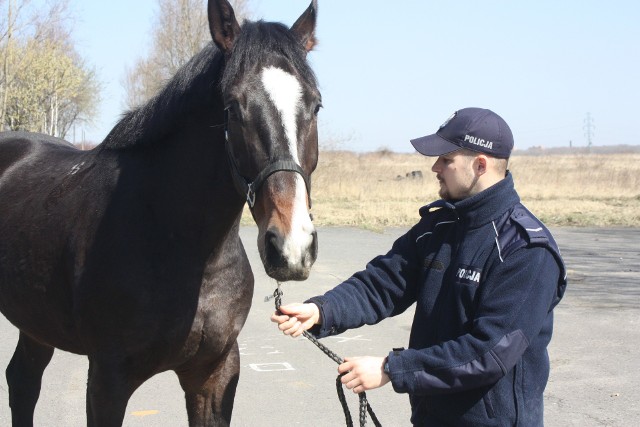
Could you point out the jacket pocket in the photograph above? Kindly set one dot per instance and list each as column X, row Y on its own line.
column 465, row 409
column 488, row 405
column 518, row 391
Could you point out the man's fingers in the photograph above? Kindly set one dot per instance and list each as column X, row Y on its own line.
column 345, row 366
column 279, row 318
column 288, row 325
column 347, row 378
column 362, row 373
column 292, row 309
column 352, row 382
column 294, row 319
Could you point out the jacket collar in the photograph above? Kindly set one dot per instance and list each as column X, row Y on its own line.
column 483, row 207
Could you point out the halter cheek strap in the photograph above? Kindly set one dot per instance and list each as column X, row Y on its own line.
column 248, row 188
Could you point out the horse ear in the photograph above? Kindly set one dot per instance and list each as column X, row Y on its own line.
column 223, row 24
column 305, row 27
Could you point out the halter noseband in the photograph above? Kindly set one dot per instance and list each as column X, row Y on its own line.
column 249, row 188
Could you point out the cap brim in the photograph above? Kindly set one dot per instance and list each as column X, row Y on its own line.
column 434, row 145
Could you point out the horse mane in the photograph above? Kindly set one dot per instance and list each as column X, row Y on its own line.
column 196, row 83
column 192, row 87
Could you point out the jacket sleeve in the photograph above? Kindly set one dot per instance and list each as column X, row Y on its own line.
column 514, row 305
column 386, row 287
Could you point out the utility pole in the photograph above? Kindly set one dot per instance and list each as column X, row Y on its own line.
column 589, row 128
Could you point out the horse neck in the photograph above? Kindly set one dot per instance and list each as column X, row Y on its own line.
column 185, row 177
column 205, row 167
column 178, row 138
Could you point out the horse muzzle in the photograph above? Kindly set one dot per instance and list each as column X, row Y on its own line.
column 289, row 257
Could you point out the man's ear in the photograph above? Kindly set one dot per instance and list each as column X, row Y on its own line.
column 482, row 163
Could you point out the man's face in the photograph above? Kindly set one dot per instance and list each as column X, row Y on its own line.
column 456, row 175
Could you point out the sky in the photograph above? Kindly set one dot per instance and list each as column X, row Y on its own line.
column 393, row 71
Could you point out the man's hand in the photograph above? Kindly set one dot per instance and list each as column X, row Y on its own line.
column 363, row 373
column 293, row 319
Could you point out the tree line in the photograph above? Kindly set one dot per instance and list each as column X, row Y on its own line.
column 180, row 30
column 46, row 86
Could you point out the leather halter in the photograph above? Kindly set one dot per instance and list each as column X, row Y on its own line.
column 248, row 188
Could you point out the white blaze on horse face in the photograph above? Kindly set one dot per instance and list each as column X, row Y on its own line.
column 285, row 92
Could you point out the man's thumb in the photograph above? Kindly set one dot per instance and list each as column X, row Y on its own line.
column 290, row 308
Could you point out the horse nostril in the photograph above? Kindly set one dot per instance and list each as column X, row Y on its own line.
column 313, row 248
column 273, row 244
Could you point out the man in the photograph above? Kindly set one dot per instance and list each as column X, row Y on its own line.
column 485, row 275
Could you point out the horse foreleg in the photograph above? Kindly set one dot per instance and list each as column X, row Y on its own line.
column 108, row 391
column 209, row 391
column 24, row 376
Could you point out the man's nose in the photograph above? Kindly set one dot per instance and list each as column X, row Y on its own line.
column 436, row 168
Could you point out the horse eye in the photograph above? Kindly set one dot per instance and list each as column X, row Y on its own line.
column 317, row 110
column 233, row 111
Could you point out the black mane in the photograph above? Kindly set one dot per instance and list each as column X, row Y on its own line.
column 192, row 88
column 194, row 85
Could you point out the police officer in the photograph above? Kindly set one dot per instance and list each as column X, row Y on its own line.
column 485, row 275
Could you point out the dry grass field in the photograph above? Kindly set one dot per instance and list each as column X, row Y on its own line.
column 373, row 191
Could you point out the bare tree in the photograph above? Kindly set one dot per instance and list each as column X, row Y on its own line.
column 181, row 30
column 44, row 84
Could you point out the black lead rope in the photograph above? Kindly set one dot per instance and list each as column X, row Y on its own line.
column 364, row 405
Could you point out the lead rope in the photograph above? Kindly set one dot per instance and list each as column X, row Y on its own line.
column 364, row 405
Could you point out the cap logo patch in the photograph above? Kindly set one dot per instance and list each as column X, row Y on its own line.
column 446, row 122
column 478, row 141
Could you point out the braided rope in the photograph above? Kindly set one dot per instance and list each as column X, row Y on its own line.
column 364, row 404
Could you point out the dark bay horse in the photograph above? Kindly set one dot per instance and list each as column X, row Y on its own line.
column 130, row 253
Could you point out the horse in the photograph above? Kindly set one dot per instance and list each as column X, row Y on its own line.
column 129, row 253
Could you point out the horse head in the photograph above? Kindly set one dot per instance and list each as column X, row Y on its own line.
column 271, row 104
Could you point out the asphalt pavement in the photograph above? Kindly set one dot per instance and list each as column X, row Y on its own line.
column 595, row 356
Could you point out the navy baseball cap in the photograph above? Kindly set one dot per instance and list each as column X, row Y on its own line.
column 476, row 129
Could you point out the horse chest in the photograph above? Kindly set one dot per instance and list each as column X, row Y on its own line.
column 223, row 305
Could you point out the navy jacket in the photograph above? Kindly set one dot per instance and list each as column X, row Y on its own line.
column 485, row 275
